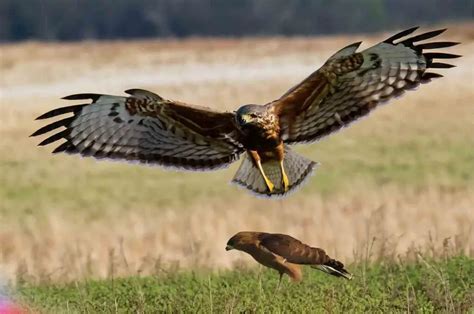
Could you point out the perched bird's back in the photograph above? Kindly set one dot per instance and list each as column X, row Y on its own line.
column 285, row 254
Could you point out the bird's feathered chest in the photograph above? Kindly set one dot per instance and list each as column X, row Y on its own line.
column 262, row 135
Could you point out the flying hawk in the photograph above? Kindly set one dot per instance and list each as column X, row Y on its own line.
column 285, row 254
column 147, row 128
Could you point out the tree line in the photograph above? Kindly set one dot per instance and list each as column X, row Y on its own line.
column 121, row 19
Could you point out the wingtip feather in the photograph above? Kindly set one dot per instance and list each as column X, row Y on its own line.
column 64, row 146
column 441, row 55
column 437, row 44
column 60, row 111
column 35, row 133
column 441, row 65
column 92, row 96
column 356, row 45
column 44, row 116
column 401, row 34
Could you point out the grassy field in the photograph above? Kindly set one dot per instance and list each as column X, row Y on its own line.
column 423, row 286
column 399, row 182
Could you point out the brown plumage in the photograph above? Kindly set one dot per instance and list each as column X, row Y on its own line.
column 147, row 128
column 285, row 254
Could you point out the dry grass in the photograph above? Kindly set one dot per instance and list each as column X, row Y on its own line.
column 403, row 176
column 392, row 222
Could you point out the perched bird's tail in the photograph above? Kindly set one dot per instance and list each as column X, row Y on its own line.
column 335, row 268
column 297, row 168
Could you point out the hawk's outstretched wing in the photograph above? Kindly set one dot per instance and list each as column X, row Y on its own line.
column 293, row 250
column 350, row 84
column 147, row 128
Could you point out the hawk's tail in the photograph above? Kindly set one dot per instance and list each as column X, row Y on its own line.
column 297, row 169
column 335, row 268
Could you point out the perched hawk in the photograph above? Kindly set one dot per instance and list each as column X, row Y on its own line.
column 147, row 128
column 285, row 254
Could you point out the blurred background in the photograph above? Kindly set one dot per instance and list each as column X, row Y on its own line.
column 392, row 185
column 121, row 19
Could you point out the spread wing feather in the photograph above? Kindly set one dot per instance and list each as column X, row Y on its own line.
column 351, row 84
column 146, row 128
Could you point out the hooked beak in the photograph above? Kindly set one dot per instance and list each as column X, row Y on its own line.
column 246, row 119
column 229, row 247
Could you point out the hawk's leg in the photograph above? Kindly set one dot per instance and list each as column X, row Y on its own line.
column 280, row 153
column 256, row 159
column 279, row 282
column 284, row 177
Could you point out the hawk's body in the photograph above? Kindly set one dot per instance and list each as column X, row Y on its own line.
column 285, row 254
column 145, row 127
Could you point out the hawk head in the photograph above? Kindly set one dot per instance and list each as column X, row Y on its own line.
column 242, row 239
column 251, row 115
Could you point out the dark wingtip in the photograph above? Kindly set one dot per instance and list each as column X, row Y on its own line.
column 441, row 55
column 92, row 96
column 355, row 45
column 432, row 75
column 54, row 125
column 64, row 146
column 441, row 65
column 43, row 143
column 439, row 31
column 428, row 76
column 438, row 44
column 44, row 116
column 430, row 34
column 36, row 133
column 55, row 137
column 59, row 111
column 401, row 34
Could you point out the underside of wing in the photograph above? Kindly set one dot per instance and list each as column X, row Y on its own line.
column 146, row 128
column 351, row 84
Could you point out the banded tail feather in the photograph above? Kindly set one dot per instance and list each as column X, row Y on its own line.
column 298, row 169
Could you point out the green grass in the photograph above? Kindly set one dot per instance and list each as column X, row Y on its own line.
column 422, row 286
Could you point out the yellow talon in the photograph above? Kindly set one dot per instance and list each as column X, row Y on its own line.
column 284, row 177
column 269, row 183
